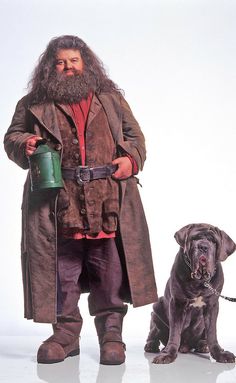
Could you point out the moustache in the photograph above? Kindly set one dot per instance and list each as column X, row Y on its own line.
column 75, row 72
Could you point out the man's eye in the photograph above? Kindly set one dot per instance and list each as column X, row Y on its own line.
column 59, row 63
column 74, row 60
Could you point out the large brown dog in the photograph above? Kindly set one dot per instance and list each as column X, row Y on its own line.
column 184, row 319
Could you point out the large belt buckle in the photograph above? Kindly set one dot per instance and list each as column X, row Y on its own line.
column 82, row 174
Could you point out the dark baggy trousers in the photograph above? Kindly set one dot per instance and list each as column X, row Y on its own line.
column 101, row 259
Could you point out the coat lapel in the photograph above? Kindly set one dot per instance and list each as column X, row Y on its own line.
column 46, row 115
column 94, row 109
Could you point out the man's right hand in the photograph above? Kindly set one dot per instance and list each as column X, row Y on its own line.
column 30, row 145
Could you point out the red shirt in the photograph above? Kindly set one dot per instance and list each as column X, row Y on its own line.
column 80, row 113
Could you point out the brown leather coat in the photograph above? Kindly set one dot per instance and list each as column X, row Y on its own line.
column 39, row 224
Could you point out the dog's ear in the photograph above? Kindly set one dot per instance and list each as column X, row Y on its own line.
column 227, row 246
column 181, row 236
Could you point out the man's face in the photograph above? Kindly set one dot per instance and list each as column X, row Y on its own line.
column 69, row 61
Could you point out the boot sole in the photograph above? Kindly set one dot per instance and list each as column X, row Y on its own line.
column 112, row 363
column 48, row 361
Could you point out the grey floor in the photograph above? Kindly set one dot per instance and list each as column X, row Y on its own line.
column 18, row 364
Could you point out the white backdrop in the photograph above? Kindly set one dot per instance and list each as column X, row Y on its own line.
column 176, row 61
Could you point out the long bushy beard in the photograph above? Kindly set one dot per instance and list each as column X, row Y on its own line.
column 66, row 89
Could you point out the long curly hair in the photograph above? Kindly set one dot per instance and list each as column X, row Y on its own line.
column 37, row 85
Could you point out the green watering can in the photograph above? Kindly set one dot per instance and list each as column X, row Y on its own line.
column 45, row 168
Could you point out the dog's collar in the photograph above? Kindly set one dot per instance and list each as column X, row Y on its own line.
column 207, row 283
column 214, row 291
column 187, row 262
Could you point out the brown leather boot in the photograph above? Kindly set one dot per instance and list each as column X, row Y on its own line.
column 109, row 330
column 51, row 352
column 112, row 349
column 63, row 343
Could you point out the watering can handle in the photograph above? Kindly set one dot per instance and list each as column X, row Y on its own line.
column 40, row 142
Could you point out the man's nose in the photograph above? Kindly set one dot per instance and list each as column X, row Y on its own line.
column 68, row 65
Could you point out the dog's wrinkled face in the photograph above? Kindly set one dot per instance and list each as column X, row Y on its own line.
column 202, row 257
column 203, row 246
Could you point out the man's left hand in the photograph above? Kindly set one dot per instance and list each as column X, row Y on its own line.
column 124, row 168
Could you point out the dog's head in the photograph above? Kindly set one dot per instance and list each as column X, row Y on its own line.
column 204, row 245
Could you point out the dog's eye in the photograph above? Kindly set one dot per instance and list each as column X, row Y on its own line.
column 211, row 238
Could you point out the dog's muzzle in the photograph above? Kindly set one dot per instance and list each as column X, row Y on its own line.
column 201, row 272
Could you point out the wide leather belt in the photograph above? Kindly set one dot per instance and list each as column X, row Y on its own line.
column 83, row 174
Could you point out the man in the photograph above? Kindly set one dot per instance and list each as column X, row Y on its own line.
column 90, row 236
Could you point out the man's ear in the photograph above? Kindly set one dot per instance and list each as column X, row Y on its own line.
column 181, row 236
column 227, row 246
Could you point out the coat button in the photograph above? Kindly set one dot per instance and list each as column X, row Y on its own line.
column 81, row 197
column 75, row 141
column 52, row 215
column 58, row 147
column 50, row 238
column 83, row 211
column 77, row 156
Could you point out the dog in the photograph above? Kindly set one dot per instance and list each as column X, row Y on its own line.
column 184, row 319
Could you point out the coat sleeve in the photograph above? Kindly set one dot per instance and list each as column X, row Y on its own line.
column 133, row 141
column 17, row 135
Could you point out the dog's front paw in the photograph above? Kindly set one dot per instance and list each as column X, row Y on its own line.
column 164, row 358
column 224, row 357
column 152, row 346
